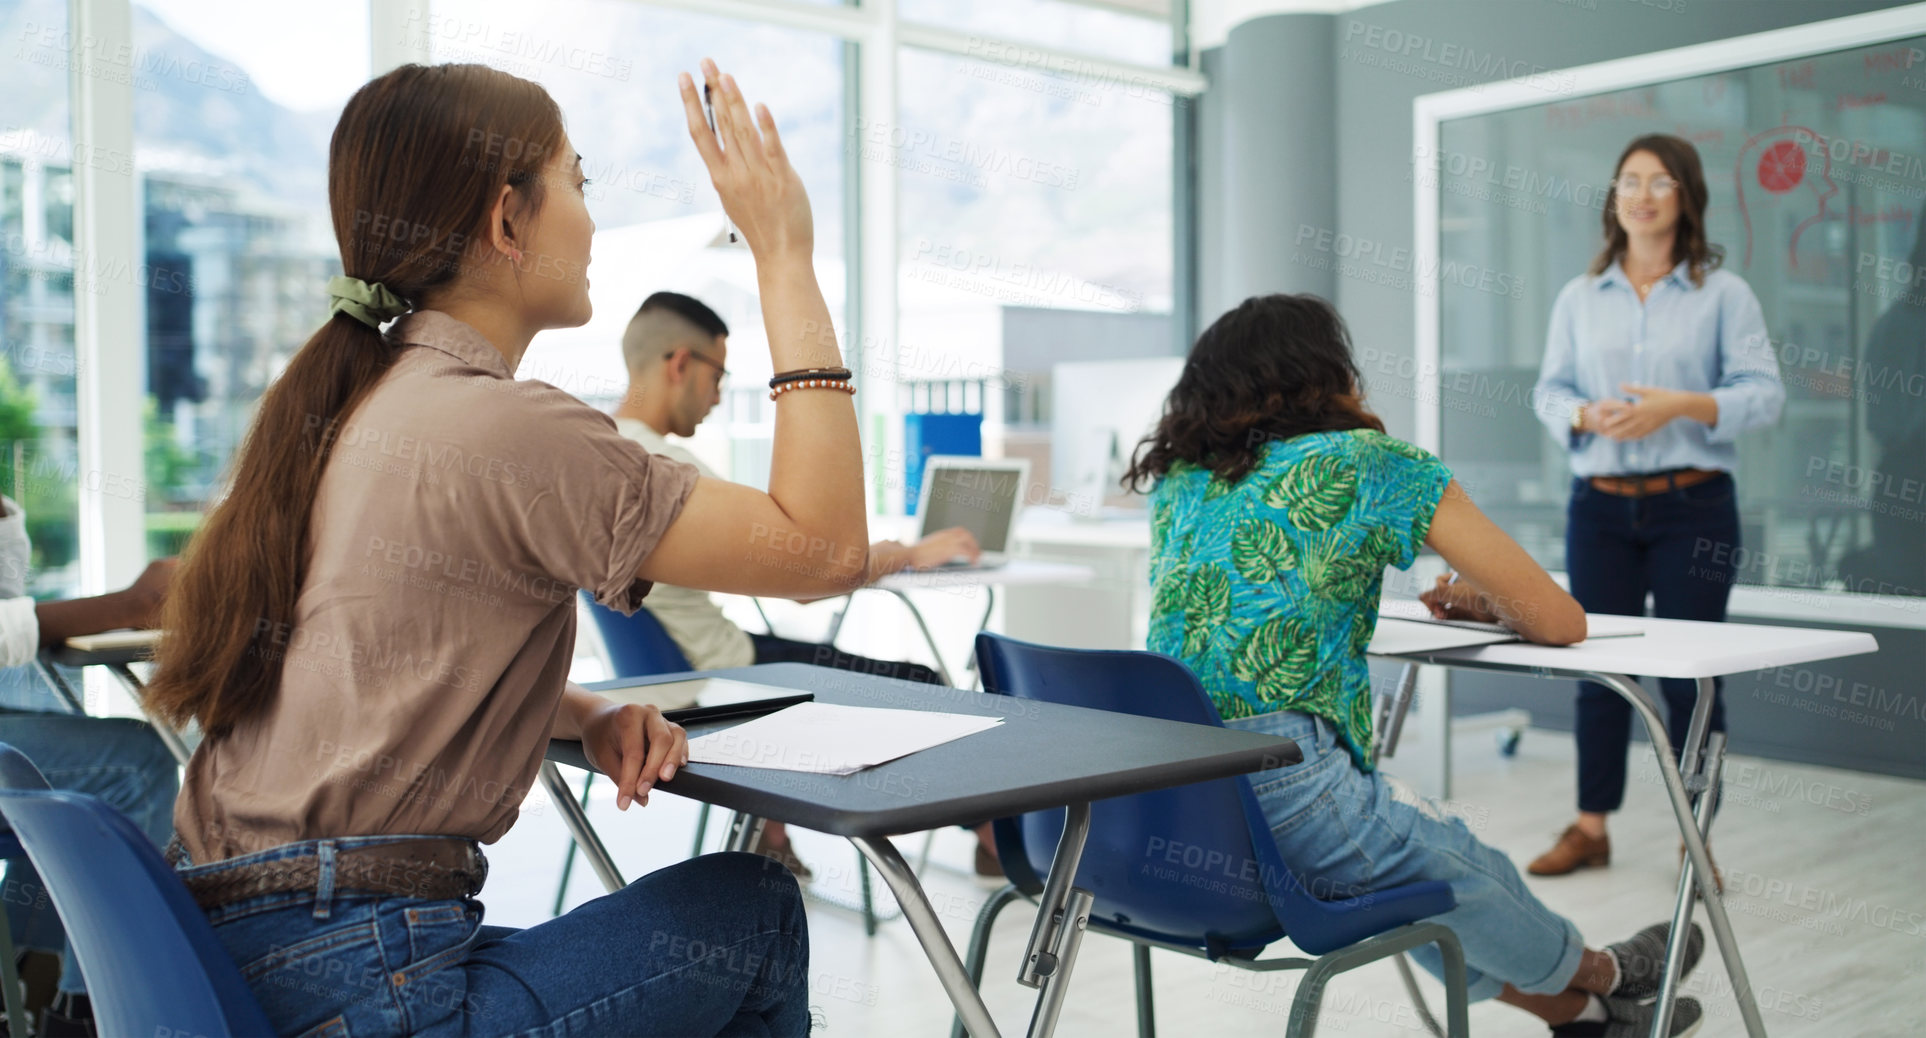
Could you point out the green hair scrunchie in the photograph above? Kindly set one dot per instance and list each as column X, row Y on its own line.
column 371, row 304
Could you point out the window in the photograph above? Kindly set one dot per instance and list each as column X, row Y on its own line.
column 234, row 104
column 39, row 466
column 1127, row 30
column 1823, row 223
column 1036, row 222
column 612, row 66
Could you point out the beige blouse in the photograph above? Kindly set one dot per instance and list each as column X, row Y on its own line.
column 460, row 511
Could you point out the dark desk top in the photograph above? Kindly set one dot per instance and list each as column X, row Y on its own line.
column 1042, row 756
column 67, row 656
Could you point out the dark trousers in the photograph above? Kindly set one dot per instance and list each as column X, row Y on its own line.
column 781, row 650
column 1679, row 545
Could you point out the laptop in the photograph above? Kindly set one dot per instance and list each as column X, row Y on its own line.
column 982, row 495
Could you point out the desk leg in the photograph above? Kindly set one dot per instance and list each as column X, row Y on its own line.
column 942, row 669
column 578, row 827
column 1061, row 919
column 1700, row 862
column 929, row 932
column 168, row 736
column 989, row 606
column 52, row 674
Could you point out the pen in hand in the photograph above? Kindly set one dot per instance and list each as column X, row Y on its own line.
column 709, row 112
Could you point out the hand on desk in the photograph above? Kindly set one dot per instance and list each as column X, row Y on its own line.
column 137, row 605
column 1459, row 601
column 636, row 746
column 942, row 546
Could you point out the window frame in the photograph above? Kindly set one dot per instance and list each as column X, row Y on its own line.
column 110, row 395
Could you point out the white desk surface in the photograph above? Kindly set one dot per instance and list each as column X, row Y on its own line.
column 1034, row 527
column 1015, row 572
column 1667, row 649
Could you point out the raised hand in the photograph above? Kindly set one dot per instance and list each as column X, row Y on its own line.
column 760, row 189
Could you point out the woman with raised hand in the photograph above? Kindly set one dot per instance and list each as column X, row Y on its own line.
column 374, row 626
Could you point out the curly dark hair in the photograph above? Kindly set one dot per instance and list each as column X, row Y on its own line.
column 1275, row 367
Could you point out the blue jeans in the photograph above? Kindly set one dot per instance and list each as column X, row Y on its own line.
column 1341, row 828
column 118, row 759
column 712, row 946
column 1681, row 546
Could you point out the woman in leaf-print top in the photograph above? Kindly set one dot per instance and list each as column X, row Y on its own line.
column 1278, row 501
column 1268, row 587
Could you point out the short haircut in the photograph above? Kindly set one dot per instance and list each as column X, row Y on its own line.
column 668, row 321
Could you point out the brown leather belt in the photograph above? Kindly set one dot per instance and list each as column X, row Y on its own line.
column 1656, row 483
column 437, row 868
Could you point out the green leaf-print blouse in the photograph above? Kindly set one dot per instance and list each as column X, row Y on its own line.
column 1268, row 588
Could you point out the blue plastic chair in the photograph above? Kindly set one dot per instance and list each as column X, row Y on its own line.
column 153, row 962
column 1194, row 869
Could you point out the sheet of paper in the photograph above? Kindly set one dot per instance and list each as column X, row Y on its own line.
column 831, row 739
column 1414, row 611
column 1396, row 637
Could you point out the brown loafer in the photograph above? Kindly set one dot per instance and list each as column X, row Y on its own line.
column 1573, row 851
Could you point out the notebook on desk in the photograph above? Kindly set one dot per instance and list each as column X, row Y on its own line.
column 1410, row 610
column 108, row 640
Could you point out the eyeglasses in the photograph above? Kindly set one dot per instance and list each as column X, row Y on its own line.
column 722, row 373
column 1627, row 184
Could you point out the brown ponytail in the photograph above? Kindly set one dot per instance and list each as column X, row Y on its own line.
column 416, row 163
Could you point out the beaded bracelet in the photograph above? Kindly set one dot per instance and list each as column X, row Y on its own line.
column 814, row 383
column 832, row 374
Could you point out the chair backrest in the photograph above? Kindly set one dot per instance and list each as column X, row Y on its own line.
column 638, row 645
column 1193, row 865
column 153, row 963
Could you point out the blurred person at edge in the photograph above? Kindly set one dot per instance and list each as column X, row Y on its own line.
column 1655, row 362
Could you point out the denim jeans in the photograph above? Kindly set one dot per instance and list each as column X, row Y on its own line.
column 1340, row 828
column 712, row 946
column 118, row 759
column 1680, row 546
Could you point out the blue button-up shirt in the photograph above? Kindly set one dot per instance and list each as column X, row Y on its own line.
column 1709, row 338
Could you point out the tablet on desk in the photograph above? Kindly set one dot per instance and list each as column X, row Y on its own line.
column 697, row 692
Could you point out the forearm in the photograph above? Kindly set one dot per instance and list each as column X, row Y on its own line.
column 816, row 463
column 886, row 557
column 60, row 621
column 1702, row 408
column 578, row 705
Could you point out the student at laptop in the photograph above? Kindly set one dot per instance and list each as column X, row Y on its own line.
column 676, row 350
column 374, row 624
column 1278, row 502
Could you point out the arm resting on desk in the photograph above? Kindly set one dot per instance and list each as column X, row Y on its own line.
column 1496, row 579
column 634, row 744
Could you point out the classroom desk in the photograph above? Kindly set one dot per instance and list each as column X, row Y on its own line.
column 119, row 661
column 1014, row 573
column 1043, row 756
column 1669, row 649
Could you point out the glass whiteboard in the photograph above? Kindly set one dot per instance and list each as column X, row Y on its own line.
column 1817, row 173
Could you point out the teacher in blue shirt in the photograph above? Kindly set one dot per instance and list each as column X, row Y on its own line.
column 1656, row 361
